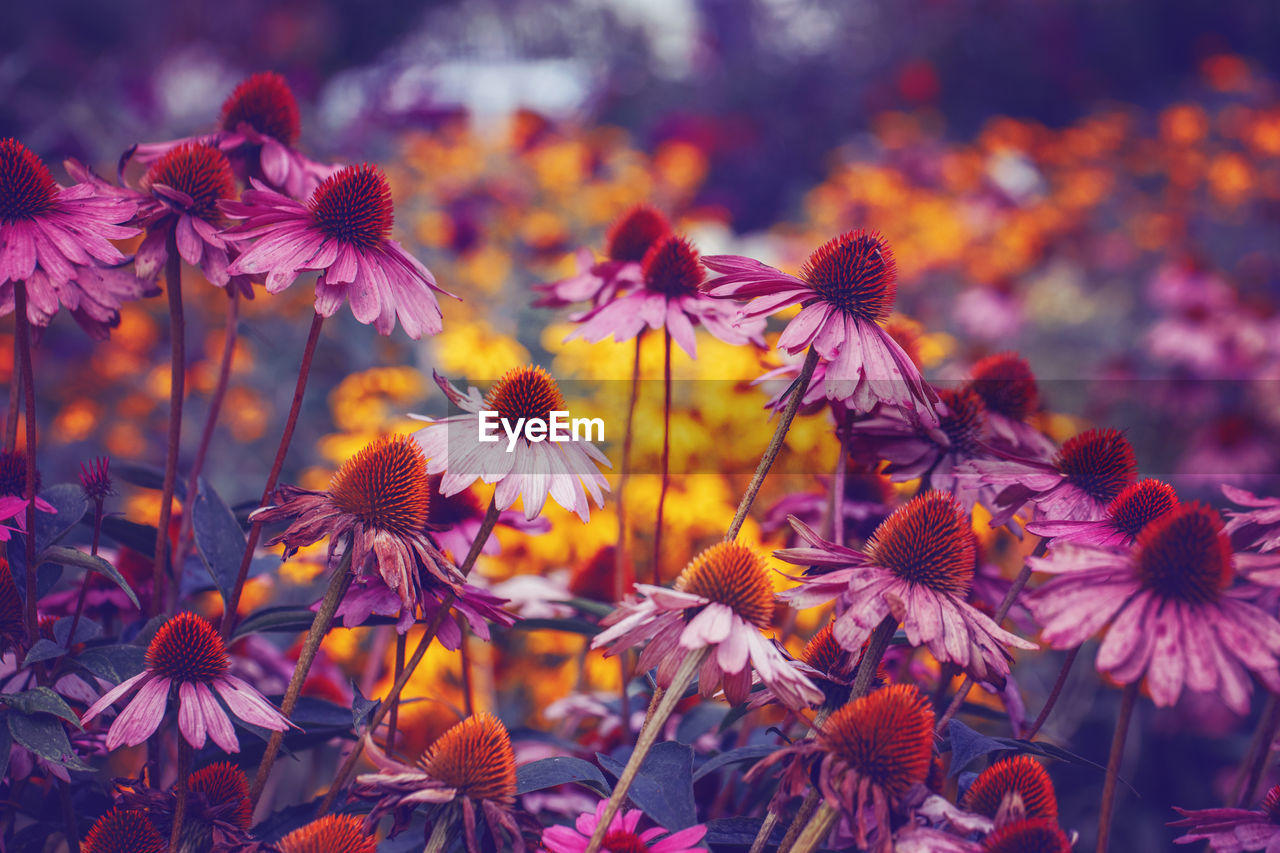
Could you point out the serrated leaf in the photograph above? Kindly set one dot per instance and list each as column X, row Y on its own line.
column 560, row 770
column 77, row 559
column 734, row 756
column 663, row 788
column 44, row 736
column 40, row 700
column 220, row 541
column 287, row 618
column 113, row 663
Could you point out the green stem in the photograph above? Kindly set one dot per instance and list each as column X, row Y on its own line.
column 816, row 830
column 666, row 456
column 775, row 445
column 1127, row 700
column 177, row 383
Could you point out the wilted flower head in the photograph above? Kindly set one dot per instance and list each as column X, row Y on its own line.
column 627, row 242
column 917, row 567
column 120, row 831
column 330, row 834
column 467, row 774
column 1088, row 473
column 1126, row 516
column 187, row 653
column 867, row 756
column 847, row 287
column 218, row 812
column 532, row 471
column 1014, row 788
column 377, row 505
column 1233, row 830
column 722, row 601
column 624, row 835
column 57, row 240
column 343, row 232
column 668, row 297
column 95, row 478
column 1172, row 613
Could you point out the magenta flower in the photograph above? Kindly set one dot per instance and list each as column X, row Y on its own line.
column 846, row 288
column 186, row 653
column 624, row 834
column 343, row 232
column 1126, row 516
column 1011, row 397
column 57, row 240
column 1259, row 528
column 370, row 596
column 1170, row 611
column 258, row 131
column 629, row 239
column 917, row 568
column 1233, row 830
column 668, row 297
column 454, row 521
column 533, row 471
column 1089, row 472
column 722, row 601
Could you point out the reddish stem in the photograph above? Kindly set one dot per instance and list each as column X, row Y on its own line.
column 395, row 706
column 255, row 530
column 29, row 492
column 11, row 422
column 666, row 455
column 1053, row 694
column 1127, row 700
column 177, row 377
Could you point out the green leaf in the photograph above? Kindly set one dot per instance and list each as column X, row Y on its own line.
column 45, row 737
column 77, row 559
column 568, row 625
column 220, row 541
column 42, row 650
column 69, row 501
column 284, row 619
column 734, row 756
column 559, row 770
column 113, row 663
column 40, row 700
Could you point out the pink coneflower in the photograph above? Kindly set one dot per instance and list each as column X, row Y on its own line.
column 330, row 834
column 258, row 131
column 467, row 775
column 377, row 505
column 343, row 232
column 626, row 244
column 721, row 602
column 846, row 288
column 668, row 297
column 370, row 595
column 564, row 470
column 1257, row 528
column 866, row 758
column 1233, row 830
column 917, row 569
column 1011, row 397
column 1126, row 516
column 122, row 831
column 57, row 240
column 624, row 835
column 1173, row 617
column 1089, row 472
column 186, row 653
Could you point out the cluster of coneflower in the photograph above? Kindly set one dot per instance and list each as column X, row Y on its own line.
column 1183, row 602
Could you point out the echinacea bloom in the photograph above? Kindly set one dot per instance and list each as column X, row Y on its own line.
column 626, row 244
column 218, row 811
column 330, row 834
column 866, row 758
column 468, row 774
column 830, row 666
column 57, row 240
column 1233, row 830
column 1034, row 835
column 95, row 478
column 1258, row 527
column 258, row 131
column 187, row 653
column 343, row 231
column 123, row 831
column 377, row 505
column 1088, row 473
column 1011, row 397
column 1017, row 786
column 917, row 568
column 668, row 297
column 722, row 601
column 624, row 835
column 1132, row 510
column 565, row 471
column 1172, row 613
column 847, row 288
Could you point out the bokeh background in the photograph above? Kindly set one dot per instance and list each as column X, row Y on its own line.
column 1095, row 184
